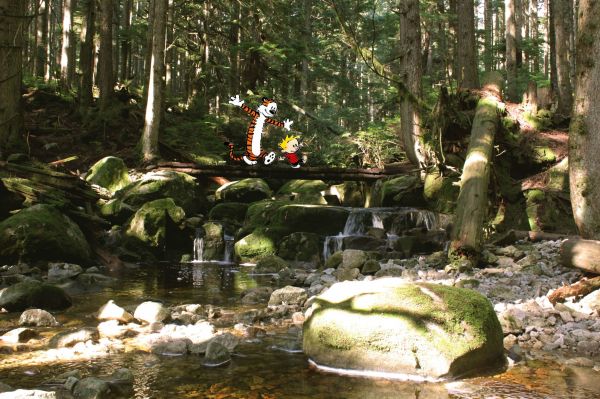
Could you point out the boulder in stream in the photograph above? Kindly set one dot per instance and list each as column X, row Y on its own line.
column 37, row 318
column 110, row 173
column 31, row 293
column 41, row 232
column 389, row 325
column 245, row 190
column 151, row 312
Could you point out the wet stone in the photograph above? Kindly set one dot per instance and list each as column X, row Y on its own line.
column 37, row 318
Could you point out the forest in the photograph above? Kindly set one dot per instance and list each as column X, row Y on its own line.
column 407, row 191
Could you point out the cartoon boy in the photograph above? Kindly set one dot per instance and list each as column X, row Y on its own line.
column 290, row 147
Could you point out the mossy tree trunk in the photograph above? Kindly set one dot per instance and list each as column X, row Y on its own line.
column 472, row 203
column 584, row 138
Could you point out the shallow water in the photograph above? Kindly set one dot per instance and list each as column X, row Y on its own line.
column 263, row 368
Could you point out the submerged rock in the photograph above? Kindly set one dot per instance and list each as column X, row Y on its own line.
column 216, row 355
column 28, row 294
column 41, row 232
column 393, row 326
column 70, row 338
column 63, row 271
column 92, row 388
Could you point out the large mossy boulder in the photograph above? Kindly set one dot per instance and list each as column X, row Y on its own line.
column 550, row 211
column 389, row 325
column 301, row 246
column 153, row 223
column 350, row 193
column 256, row 245
column 41, row 232
column 182, row 188
column 110, row 173
column 230, row 212
column 260, row 213
column 440, row 192
column 246, row 190
column 33, row 294
column 303, row 191
column 398, row 191
column 319, row 219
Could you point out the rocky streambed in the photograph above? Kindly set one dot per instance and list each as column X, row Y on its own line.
column 197, row 330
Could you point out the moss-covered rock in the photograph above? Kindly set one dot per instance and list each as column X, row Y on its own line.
column 231, row 212
column 398, row 191
column 257, row 245
column 246, row 190
column 152, row 224
column 41, row 232
column 33, row 294
column 440, row 192
column 392, row 326
column 324, row 220
column 305, row 247
column 351, row 193
column 110, row 173
column 334, row 260
column 214, row 243
column 303, row 191
column 270, row 264
column 549, row 210
column 180, row 187
column 260, row 213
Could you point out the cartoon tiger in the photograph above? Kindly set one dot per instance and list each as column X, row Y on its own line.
column 263, row 113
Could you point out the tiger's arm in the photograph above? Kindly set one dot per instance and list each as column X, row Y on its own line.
column 249, row 110
column 286, row 124
column 240, row 103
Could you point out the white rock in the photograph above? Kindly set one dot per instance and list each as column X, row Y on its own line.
column 151, row 312
column 112, row 311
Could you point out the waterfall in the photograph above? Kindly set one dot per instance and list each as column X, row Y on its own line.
column 229, row 243
column 199, row 246
column 332, row 245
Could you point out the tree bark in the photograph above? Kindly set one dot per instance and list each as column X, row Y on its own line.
column 12, row 25
column 468, row 77
column 42, row 39
column 155, row 84
column 411, row 73
column 580, row 288
column 488, row 14
column 584, row 137
column 126, row 41
column 105, row 58
column 562, row 26
column 65, row 52
column 86, row 56
column 511, row 50
column 534, row 32
column 582, row 254
column 472, row 203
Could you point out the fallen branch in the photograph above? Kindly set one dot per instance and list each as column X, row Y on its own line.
column 580, row 288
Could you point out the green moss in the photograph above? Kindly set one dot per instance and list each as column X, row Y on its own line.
column 260, row 213
column 246, row 190
column 149, row 224
column 110, row 173
column 255, row 246
column 234, row 212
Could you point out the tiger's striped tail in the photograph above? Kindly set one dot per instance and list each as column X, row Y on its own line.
column 232, row 156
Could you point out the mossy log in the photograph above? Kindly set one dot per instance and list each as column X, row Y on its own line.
column 472, row 203
column 582, row 254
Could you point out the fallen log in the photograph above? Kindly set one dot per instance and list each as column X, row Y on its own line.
column 472, row 203
column 580, row 288
column 582, row 254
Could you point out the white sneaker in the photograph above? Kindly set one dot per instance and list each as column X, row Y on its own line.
column 249, row 162
column 296, row 166
column 269, row 158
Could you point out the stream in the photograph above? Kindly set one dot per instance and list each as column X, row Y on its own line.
column 260, row 367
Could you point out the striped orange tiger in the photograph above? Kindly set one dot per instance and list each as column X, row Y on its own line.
column 264, row 112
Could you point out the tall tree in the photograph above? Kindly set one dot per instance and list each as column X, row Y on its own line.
column 584, row 138
column 126, row 40
column 65, row 53
column 411, row 73
column 12, row 25
column 562, row 26
column 511, row 49
column 155, row 84
column 468, row 77
column 41, row 38
column 87, row 53
column 106, row 80
column 488, row 15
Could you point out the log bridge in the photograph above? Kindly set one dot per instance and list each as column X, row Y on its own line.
column 287, row 172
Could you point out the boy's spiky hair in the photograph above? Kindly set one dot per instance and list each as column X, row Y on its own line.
column 283, row 144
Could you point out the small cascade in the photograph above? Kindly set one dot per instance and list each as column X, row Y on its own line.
column 199, row 246
column 395, row 223
column 229, row 243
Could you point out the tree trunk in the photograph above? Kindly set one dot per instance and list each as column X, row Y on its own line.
column 148, row 49
column 126, row 41
column 410, row 73
column 472, row 203
column 488, row 57
column 42, row 39
column 12, row 25
column 155, row 84
column 105, row 58
column 584, row 138
column 582, row 254
column 511, row 50
column 468, row 77
column 533, row 15
column 65, row 52
column 86, row 56
column 234, row 51
column 552, row 38
column 562, row 26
